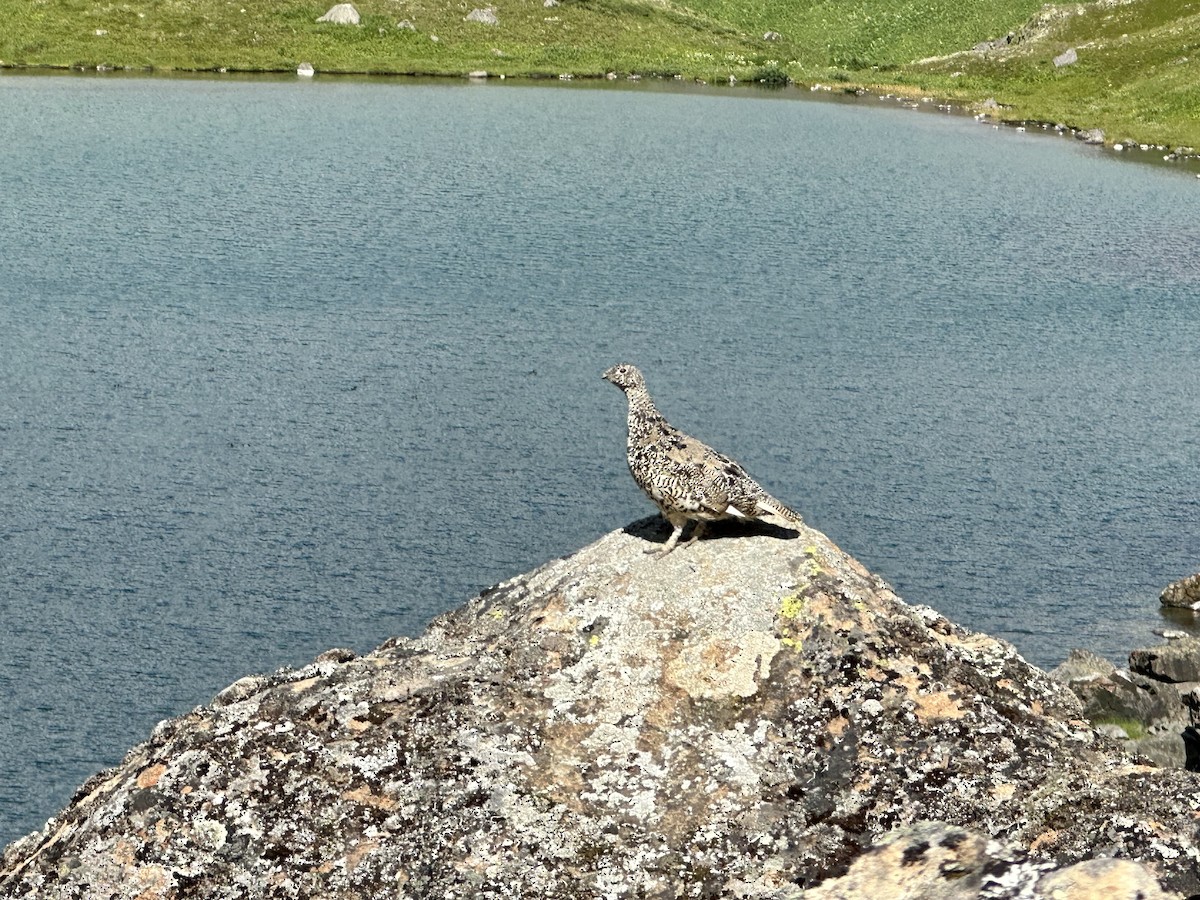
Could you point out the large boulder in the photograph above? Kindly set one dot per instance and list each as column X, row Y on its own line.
column 741, row 718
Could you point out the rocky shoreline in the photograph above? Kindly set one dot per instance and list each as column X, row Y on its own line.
column 986, row 111
column 1153, row 705
column 755, row 717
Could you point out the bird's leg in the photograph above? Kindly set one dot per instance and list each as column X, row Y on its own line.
column 671, row 541
column 696, row 533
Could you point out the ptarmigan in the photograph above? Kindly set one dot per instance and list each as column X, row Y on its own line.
column 688, row 480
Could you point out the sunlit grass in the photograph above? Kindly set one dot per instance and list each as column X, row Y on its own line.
column 1138, row 74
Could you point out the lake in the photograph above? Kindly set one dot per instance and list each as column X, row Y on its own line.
column 290, row 365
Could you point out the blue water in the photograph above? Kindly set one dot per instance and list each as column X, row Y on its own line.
column 287, row 366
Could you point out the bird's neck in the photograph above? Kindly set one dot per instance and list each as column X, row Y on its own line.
column 643, row 415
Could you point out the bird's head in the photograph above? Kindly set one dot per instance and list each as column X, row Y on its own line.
column 625, row 376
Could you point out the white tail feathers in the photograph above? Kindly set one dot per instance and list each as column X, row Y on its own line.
column 770, row 506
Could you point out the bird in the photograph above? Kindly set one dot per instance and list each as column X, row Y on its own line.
column 688, row 480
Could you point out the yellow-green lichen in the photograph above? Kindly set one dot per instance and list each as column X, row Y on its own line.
column 791, row 606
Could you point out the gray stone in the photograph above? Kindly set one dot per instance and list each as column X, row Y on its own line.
column 1127, row 696
column 1177, row 660
column 772, row 36
column 1091, row 136
column 1083, row 665
column 1068, row 58
column 1164, row 749
column 341, row 14
column 1109, row 694
column 305, row 70
column 739, row 718
column 1115, row 732
column 485, row 16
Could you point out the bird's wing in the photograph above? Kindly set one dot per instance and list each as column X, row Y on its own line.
column 690, row 479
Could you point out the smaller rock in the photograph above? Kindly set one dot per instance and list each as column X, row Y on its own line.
column 1184, row 593
column 405, row 25
column 485, row 16
column 1091, row 136
column 1171, row 634
column 1115, row 879
column 1110, row 694
column 989, row 103
column 341, row 14
column 305, row 70
column 937, row 861
column 772, row 36
column 241, row 689
column 1176, row 661
column 1069, row 58
column 477, row 75
column 549, row 4
column 1165, row 749
column 337, row 655
column 929, row 860
column 1116, row 732
column 1082, row 665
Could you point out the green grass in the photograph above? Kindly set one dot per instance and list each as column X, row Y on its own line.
column 1138, row 74
column 1134, row 729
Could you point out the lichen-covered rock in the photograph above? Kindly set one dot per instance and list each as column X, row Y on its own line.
column 933, row 861
column 937, row 861
column 1101, row 879
column 737, row 719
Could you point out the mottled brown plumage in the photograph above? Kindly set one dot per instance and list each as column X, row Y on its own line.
column 688, row 480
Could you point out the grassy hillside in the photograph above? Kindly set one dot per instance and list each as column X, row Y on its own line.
column 1138, row 74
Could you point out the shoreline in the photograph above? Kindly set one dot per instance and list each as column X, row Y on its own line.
column 985, row 111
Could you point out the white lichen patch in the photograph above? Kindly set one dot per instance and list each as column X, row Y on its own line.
column 719, row 668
